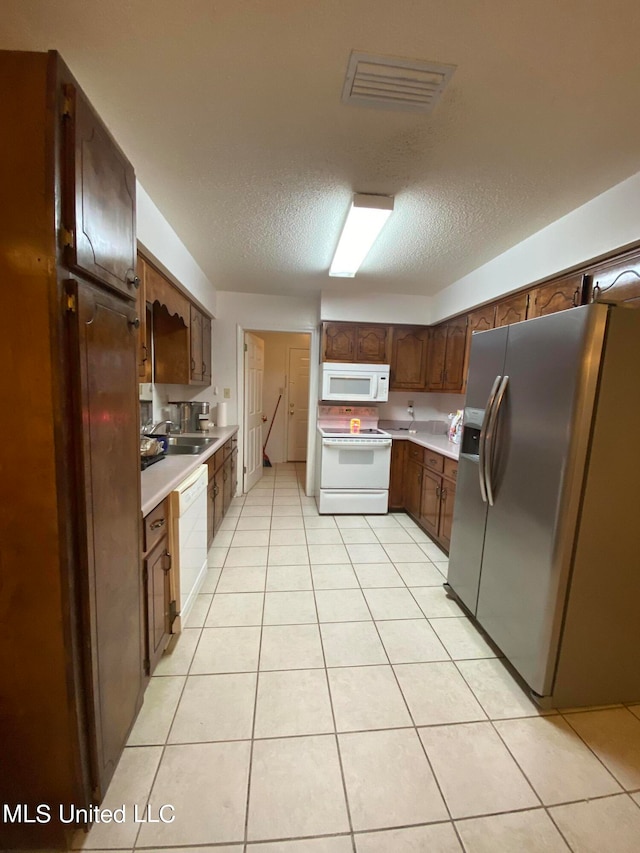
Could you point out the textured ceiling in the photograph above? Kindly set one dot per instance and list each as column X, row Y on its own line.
column 230, row 111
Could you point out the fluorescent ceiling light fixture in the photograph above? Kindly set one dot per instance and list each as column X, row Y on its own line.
column 365, row 221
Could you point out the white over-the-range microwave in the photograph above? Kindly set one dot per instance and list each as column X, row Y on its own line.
column 355, row 383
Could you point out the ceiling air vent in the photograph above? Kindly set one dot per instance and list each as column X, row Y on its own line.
column 390, row 83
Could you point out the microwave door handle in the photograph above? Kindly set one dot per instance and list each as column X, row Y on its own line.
column 491, row 439
column 375, row 386
column 483, row 438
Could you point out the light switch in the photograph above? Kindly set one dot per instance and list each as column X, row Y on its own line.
column 227, row 393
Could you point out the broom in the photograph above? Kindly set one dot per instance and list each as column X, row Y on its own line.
column 266, row 462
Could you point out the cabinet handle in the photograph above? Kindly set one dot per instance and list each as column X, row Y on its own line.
column 135, row 323
column 155, row 525
column 596, row 292
column 193, row 365
column 145, row 357
column 443, row 494
column 438, row 491
column 204, row 369
column 576, row 297
column 167, row 567
column 133, row 280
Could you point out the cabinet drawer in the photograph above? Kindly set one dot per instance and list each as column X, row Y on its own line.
column 416, row 453
column 211, row 465
column 450, row 468
column 434, row 461
column 228, row 447
column 156, row 525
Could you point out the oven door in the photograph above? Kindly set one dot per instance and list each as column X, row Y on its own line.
column 355, row 463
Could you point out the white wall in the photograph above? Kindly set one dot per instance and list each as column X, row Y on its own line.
column 375, row 307
column 276, row 375
column 607, row 222
column 158, row 239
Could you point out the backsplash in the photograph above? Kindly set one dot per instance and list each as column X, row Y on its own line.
column 427, row 407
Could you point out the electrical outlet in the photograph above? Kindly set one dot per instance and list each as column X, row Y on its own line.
column 227, row 393
column 410, row 404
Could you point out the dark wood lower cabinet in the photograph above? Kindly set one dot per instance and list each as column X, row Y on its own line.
column 429, row 515
column 429, row 481
column 222, row 485
column 156, row 567
column 413, row 487
column 396, row 479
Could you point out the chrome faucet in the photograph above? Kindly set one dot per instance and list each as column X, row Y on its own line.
column 154, row 429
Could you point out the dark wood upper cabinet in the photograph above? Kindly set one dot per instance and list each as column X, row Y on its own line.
column 479, row 320
column 454, row 356
column 436, row 357
column 512, row 310
column 373, row 344
column 206, row 350
column 557, row 295
column 616, row 281
column 409, row 358
column 99, row 200
column 195, row 345
column 338, row 342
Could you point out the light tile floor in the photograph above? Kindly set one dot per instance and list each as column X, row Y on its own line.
column 327, row 697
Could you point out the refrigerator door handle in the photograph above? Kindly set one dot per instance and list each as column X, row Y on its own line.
column 490, row 439
column 483, row 436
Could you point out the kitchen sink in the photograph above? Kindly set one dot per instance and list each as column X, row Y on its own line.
column 187, row 444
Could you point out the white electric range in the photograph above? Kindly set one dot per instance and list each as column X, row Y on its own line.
column 353, row 466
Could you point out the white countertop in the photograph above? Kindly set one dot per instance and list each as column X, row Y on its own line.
column 439, row 443
column 160, row 479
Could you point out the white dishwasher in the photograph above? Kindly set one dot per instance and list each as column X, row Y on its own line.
column 188, row 539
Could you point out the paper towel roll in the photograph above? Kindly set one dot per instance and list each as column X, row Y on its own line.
column 221, row 414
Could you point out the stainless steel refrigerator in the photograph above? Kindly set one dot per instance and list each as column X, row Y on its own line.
column 545, row 550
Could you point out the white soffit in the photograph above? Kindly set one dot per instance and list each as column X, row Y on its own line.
column 393, row 83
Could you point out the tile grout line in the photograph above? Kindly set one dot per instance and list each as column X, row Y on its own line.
column 253, row 724
column 414, row 726
column 333, row 714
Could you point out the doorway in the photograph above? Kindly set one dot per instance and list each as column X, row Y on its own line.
column 280, row 418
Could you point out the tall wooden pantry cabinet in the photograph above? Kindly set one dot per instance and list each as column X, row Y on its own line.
column 70, row 577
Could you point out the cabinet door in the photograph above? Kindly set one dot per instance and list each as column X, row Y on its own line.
column 436, row 357
column 206, row 350
column 512, row 310
column 158, row 595
column 144, row 330
column 218, row 501
column 447, row 501
column 234, row 468
column 210, row 512
column 477, row 321
column 372, row 344
column 339, row 342
column 617, row 282
column 102, row 340
column 413, row 487
column 454, row 355
column 99, row 199
column 396, row 480
column 409, row 358
column 195, row 346
column 556, row 296
column 430, row 505
column 226, row 485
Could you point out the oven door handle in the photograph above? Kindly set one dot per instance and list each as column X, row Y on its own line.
column 360, row 444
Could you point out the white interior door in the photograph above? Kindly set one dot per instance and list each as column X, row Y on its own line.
column 298, row 405
column 253, row 414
